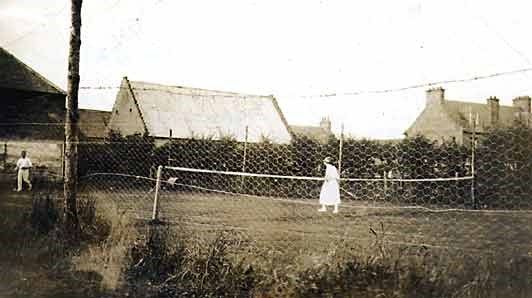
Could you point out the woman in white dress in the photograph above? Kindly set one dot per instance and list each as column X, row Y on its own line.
column 330, row 191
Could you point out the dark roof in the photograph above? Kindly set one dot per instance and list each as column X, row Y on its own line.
column 16, row 75
column 314, row 132
column 93, row 123
column 193, row 112
column 459, row 112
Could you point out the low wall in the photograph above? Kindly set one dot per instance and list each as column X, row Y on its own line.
column 45, row 155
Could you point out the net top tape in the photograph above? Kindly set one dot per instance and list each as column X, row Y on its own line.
column 244, row 174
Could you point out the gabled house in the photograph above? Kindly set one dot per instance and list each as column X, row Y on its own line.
column 31, row 115
column 321, row 133
column 449, row 120
column 179, row 112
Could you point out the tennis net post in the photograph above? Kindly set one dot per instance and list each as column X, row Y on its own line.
column 155, row 214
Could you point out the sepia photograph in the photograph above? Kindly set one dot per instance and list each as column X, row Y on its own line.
column 253, row 148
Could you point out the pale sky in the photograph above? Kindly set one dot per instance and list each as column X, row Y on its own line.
column 286, row 48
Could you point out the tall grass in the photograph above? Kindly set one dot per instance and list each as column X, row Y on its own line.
column 119, row 257
column 165, row 266
column 229, row 265
column 37, row 251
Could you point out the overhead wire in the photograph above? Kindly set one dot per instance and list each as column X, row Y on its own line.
column 166, row 89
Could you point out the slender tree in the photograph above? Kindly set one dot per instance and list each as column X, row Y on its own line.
column 71, row 121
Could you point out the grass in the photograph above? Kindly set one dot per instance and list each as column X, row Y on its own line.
column 296, row 251
column 297, row 225
column 215, row 246
column 37, row 254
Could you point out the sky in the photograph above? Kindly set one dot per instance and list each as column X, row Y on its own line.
column 294, row 50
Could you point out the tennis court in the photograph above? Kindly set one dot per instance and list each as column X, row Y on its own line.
column 296, row 224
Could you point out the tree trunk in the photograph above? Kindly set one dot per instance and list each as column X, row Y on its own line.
column 71, row 122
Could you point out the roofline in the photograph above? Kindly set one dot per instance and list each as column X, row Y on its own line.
column 415, row 120
column 236, row 94
column 137, row 105
column 54, row 86
column 281, row 114
column 447, row 113
column 475, row 103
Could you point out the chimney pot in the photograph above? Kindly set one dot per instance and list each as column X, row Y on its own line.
column 435, row 96
column 522, row 103
column 325, row 123
column 493, row 108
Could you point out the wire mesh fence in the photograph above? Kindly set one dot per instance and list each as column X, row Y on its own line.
column 474, row 197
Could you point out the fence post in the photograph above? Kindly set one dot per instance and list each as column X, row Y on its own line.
column 4, row 158
column 473, row 148
column 155, row 215
column 385, row 184
column 243, row 182
column 340, row 150
column 63, row 160
column 170, row 147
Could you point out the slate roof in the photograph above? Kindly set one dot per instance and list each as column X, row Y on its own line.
column 14, row 74
column 459, row 112
column 93, row 123
column 193, row 112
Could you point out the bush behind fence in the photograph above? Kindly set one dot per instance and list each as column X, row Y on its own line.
column 503, row 163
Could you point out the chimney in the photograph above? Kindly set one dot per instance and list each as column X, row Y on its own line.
column 493, row 109
column 522, row 103
column 435, row 96
column 325, row 123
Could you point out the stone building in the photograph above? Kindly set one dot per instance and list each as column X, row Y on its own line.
column 31, row 116
column 321, row 133
column 179, row 112
column 449, row 120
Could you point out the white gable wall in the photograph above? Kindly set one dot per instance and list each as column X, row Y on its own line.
column 126, row 118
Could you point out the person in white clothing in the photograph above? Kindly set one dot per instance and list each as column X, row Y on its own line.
column 330, row 191
column 23, row 167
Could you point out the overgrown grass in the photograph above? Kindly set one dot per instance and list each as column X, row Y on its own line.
column 119, row 257
column 229, row 265
column 40, row 233
column 37, row 250
column 165, row 266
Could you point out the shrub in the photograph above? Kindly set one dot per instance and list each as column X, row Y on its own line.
column 44, row 215
column 504, row 168
column 159, row 268
column 116, row 154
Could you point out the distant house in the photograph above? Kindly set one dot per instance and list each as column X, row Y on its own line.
column 321, row 133
column 159, row 110
column 93, row 124
column 31, row 114
column 448, row 120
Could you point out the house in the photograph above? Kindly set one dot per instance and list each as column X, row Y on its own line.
column 31, row 115
column 93, row 124
column 179, row 112
column 449, row 120
column 321, row 133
